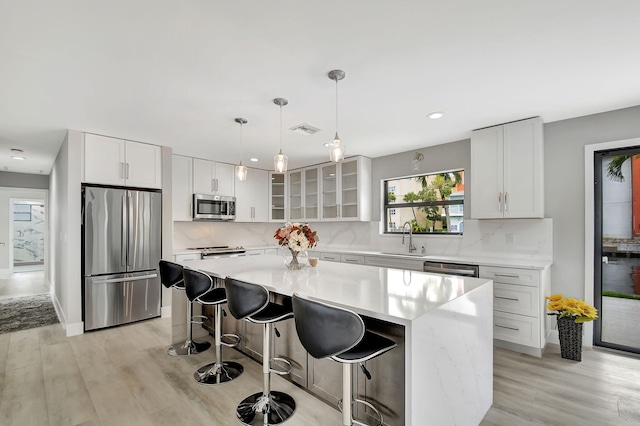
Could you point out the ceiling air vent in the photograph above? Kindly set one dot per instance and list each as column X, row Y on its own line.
column 304, row 129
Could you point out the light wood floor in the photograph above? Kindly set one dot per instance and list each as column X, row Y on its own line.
column 122, row 376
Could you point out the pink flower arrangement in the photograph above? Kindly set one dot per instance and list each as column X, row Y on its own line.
column 296, row 236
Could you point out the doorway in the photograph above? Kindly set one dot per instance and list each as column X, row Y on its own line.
column 617, row 248
column 28, row 233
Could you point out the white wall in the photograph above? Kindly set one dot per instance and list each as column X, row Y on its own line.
column 564, row 148
column 64, row 225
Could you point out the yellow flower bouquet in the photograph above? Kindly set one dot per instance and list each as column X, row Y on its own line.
column 576, row 309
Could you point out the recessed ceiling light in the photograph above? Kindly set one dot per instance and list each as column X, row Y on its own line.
column 436, row 115
column 15, row 157
column 254, row 159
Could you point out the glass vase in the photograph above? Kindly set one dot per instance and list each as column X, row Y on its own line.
column 295, row 260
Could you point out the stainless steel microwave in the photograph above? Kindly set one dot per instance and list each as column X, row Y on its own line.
column 213, row 207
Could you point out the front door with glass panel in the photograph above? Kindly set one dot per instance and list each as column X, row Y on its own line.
column 617, row 249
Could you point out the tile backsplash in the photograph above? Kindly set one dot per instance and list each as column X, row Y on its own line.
column 513, row 238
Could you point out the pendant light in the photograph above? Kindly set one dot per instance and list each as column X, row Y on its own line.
column 280, row 160
column 241, row 169
column 337, row 148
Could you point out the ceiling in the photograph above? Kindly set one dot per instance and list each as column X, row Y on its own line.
column 177, row 73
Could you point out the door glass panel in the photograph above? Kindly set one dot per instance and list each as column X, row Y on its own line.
column 349, row 175
column 617, row 289
column 277, row 196
column 311, row 193
column 329, row 194
column 295, row 196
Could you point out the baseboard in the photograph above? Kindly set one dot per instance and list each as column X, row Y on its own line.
column 165, row 312
column 75, row 329
column 5, row 271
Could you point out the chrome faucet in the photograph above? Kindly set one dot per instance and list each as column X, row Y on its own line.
column 412, row 248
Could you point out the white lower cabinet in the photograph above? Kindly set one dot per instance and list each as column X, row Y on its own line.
column 352, row 258
column 187, row 257
column 520, row 322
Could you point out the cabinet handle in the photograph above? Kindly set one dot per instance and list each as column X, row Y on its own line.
column 506, row 202
column 121, row 170
column 499, row 201
column 212, row 185
column 507, row 298
column 351, row 260
column 507, row 275
column 253, row 212
column 507, row 327
column 127, row 174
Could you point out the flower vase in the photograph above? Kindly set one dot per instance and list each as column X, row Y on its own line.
column 570, row 334
column 295, row 260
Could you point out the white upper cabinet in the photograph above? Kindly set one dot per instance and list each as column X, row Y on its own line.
column 182, row 187
column 252, row 197
column 507, row 171
column 213, row 178
column 346, row 190
column 112, row 161
column 304, row 194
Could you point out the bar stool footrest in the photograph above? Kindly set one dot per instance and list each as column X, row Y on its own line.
column 199, row 319
column 233, row 340
column 283, row 372
column 375, row 410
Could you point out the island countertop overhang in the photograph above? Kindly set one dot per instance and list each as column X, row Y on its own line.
column 389, row 294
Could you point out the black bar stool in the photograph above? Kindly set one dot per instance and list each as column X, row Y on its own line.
column 171, row 277
column 200, row 288
column 327, row 331
column 251, row 302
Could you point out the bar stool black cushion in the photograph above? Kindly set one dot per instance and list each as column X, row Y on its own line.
column 171, row 274
column 199, row 287
column 245, row 299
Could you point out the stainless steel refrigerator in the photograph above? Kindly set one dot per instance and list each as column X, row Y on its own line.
column 121, row 233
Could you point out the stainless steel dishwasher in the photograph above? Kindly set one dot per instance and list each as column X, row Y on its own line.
column 465, row 270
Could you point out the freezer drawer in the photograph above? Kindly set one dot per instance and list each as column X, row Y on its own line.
column 119, row 299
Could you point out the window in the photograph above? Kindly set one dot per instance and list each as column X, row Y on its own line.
column 432, row 204
column 22, row 212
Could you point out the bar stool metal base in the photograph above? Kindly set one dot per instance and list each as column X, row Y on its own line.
column 215, row 374
column 189, row 348
column 278, row 406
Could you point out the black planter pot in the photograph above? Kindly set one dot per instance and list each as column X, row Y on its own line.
column 570, row 334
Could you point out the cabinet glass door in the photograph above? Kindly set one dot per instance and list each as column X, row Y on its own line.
column 349, row 179
column 296, row 211
column 277, row 196
column 311, row 185
column 329, row 191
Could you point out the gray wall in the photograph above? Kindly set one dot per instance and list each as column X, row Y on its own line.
column 24, row 180
column 454, row 155
column 564, row 146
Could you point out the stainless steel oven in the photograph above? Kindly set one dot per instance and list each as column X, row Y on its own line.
column 213, row 207
column 451, row 269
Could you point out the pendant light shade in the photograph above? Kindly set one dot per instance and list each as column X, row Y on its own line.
column 280, row 161
column 241, row 169
column 337, row 148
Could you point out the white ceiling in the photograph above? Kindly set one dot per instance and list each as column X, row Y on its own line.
column 177, row 73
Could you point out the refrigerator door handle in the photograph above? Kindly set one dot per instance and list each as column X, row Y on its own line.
column 123, row 233
column 127, row 279
column 132, row 232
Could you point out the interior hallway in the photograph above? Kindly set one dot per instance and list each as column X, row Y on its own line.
column 24, row 281
column 123, row 376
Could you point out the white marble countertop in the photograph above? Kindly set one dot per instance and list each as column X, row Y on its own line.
column 524, row 263
column 389, row 294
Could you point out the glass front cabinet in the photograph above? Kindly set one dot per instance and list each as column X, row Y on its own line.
column 304, row 194
column 277, row 196
column 346, row 190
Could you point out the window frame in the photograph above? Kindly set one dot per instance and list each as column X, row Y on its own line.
column 386, row 206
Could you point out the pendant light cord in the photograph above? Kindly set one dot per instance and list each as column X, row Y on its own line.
column 336, row 106
column 241, row 153
column 280, row 127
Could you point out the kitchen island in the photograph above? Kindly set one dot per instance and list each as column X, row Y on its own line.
column 445, row 321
